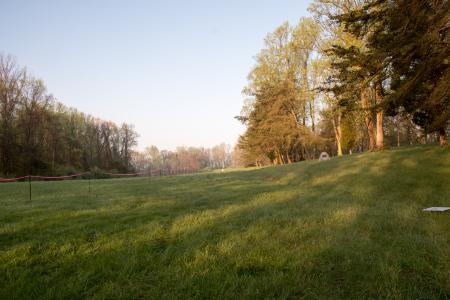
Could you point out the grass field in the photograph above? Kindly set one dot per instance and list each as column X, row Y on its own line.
column 351, row 227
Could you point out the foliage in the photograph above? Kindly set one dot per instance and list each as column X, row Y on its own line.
column 280, row 112
column 183, row 159
column 407, row 51
column 39, row 135
column 356, row 67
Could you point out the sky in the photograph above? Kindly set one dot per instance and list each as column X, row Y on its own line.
column 173, row 69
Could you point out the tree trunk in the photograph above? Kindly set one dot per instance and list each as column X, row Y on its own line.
column 302, row 156
column 288, row 158
column 378, row 101
column 380, row 133
column 371, row 130
column 368, row 118
column 337, row 133
column 442, row 137
column 311, row 113
column 305, row 89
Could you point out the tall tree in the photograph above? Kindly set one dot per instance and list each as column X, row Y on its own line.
column 280, row 116
column 12, row 83
column 128, row 141
column 408, row 40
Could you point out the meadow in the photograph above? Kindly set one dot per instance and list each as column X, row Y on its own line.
column 351, row 227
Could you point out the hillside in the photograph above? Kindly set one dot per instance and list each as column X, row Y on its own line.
column 351, row 227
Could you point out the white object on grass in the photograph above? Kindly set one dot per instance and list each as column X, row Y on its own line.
column 324, row 156
column 436, row 209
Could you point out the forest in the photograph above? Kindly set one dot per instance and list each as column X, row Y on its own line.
column 355, row 76
column 40, row 135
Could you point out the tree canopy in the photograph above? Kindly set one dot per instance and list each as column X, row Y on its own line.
column 359, row 75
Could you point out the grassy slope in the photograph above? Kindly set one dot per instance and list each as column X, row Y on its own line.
column 350, row 227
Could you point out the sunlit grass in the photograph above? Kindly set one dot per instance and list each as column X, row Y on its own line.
column 346, row 228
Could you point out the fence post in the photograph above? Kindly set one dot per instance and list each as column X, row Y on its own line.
column 29, row 184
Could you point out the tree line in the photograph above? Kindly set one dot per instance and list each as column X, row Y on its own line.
column 182, row 160
column 358, row 75
column 39, row 135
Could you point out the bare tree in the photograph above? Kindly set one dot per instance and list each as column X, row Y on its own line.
column 12, row 82
column 128, row 142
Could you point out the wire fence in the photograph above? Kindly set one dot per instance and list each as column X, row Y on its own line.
column 91, row 175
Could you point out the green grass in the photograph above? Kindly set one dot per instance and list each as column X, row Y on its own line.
column 351, row 227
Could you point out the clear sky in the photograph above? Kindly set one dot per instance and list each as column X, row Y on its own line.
column 174, row 69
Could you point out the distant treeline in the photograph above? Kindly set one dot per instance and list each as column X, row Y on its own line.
column 358, row 75
column 39, row 135
column 183, row 159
